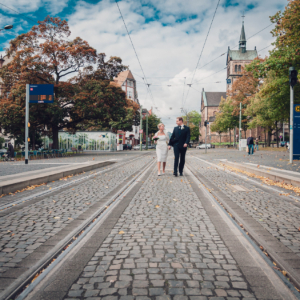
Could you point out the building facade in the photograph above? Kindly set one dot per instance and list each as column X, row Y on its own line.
column 236, row 60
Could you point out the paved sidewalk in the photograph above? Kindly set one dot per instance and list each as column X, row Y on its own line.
column 165, row 246
column 17, row 167
column 273, row 159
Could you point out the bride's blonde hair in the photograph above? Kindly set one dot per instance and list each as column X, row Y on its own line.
column 160, row 125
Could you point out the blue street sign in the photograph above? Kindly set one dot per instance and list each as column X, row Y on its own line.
column 228, row 81
column 41, row 93
column 296, row 143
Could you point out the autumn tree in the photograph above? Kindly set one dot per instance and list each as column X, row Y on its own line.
column 81, row 79
column 274, row 97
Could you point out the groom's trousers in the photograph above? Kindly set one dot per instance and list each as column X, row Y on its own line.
column 179, row 151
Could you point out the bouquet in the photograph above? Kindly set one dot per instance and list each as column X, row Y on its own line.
column 155, row 138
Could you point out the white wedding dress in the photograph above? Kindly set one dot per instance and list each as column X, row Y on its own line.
column 162, row 148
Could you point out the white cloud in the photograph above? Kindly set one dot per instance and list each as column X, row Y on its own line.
column 170, row 43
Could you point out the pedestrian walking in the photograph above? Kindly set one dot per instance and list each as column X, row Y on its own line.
column 161, row 140
column 256, row 144
column 250, row 144
column 180, row 139
column 10, row 151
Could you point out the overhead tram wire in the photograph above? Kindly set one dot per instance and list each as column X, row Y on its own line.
column 202, row 50
column 25, row 17
column 216, row 57
column 144, row 78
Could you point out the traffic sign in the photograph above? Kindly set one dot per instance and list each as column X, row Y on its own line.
column 228, row 81
column 141, row 130
column 41, row 93
column 296, row 142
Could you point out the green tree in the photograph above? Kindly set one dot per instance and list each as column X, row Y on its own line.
column 153, row 121
column 194, row 123
column 2, row 141
column 225, row 119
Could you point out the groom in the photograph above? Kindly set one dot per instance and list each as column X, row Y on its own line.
column 180, row 139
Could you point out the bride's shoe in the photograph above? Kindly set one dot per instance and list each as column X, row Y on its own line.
column 158, row 174
column 163, row 173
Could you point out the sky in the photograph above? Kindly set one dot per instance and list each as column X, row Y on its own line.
column 168, row 37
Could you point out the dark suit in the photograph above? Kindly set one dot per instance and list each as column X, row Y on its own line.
column 178, row 138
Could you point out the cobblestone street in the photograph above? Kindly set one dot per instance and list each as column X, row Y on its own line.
column 166, row 238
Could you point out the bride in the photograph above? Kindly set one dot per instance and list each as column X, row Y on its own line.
column 161, row 147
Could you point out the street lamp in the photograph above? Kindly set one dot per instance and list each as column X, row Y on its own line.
column 7, row 27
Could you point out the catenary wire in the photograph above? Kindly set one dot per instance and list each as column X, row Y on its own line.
column 25, row 17
column 202, row 50
column 144, row 78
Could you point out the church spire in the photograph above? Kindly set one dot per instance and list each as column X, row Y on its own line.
column 242, row 42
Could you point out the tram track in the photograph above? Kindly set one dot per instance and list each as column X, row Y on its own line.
column 64, row 186
column 21, row 287
column 260, row 251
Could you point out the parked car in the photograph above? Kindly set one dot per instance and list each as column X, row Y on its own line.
column 3, row 151
column 137, row 147
column 152, row 147
column 127, row 147
column 202, row 146
column 283, row 144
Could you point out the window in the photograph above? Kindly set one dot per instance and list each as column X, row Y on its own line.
column 240, row 68
column 236, row 68
column 129, row 94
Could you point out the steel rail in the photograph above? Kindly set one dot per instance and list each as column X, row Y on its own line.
column 246, row 178
column 281, row 284
column 71, row 183
column 19, row 290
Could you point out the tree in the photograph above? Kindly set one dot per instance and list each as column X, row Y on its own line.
column 225, row 119
column 266, row 107
column 194, row 123
column 131, row 117
column 153, row 121
column 46, row 55
column 2, row 141
column 242, row 91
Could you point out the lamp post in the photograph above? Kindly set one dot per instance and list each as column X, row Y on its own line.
column 7, row 27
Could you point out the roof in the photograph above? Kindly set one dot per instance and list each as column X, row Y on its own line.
column 212, row 98
column 239, row 55
column 122, row 76
column 243, row 35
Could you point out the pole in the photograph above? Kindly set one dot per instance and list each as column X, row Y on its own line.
column 283, row 131
column 240, row 125
column 234, row 138
column 187, row 120
column 205, row 138
column 141, row 127
column 147, row 131
column 291, row 124
column 26, row 123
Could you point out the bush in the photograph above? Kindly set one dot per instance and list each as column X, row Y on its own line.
column 2, row 140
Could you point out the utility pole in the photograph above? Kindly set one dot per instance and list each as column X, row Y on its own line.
column 293, row 81
column 141, row 128
column 26, row 123
column 205, row 124
column 147, row 131
column 240, row 129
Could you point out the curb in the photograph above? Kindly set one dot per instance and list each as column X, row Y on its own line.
column 268, row 174
column 31, row 178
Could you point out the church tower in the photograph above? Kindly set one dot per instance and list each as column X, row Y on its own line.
column 237, row 59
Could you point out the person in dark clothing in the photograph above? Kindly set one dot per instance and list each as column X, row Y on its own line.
column 250, row 144
column 180, row 139
column 10, row 151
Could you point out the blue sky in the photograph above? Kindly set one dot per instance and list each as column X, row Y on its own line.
column 168, row 36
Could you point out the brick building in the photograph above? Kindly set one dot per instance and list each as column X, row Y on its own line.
column 236, row 60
